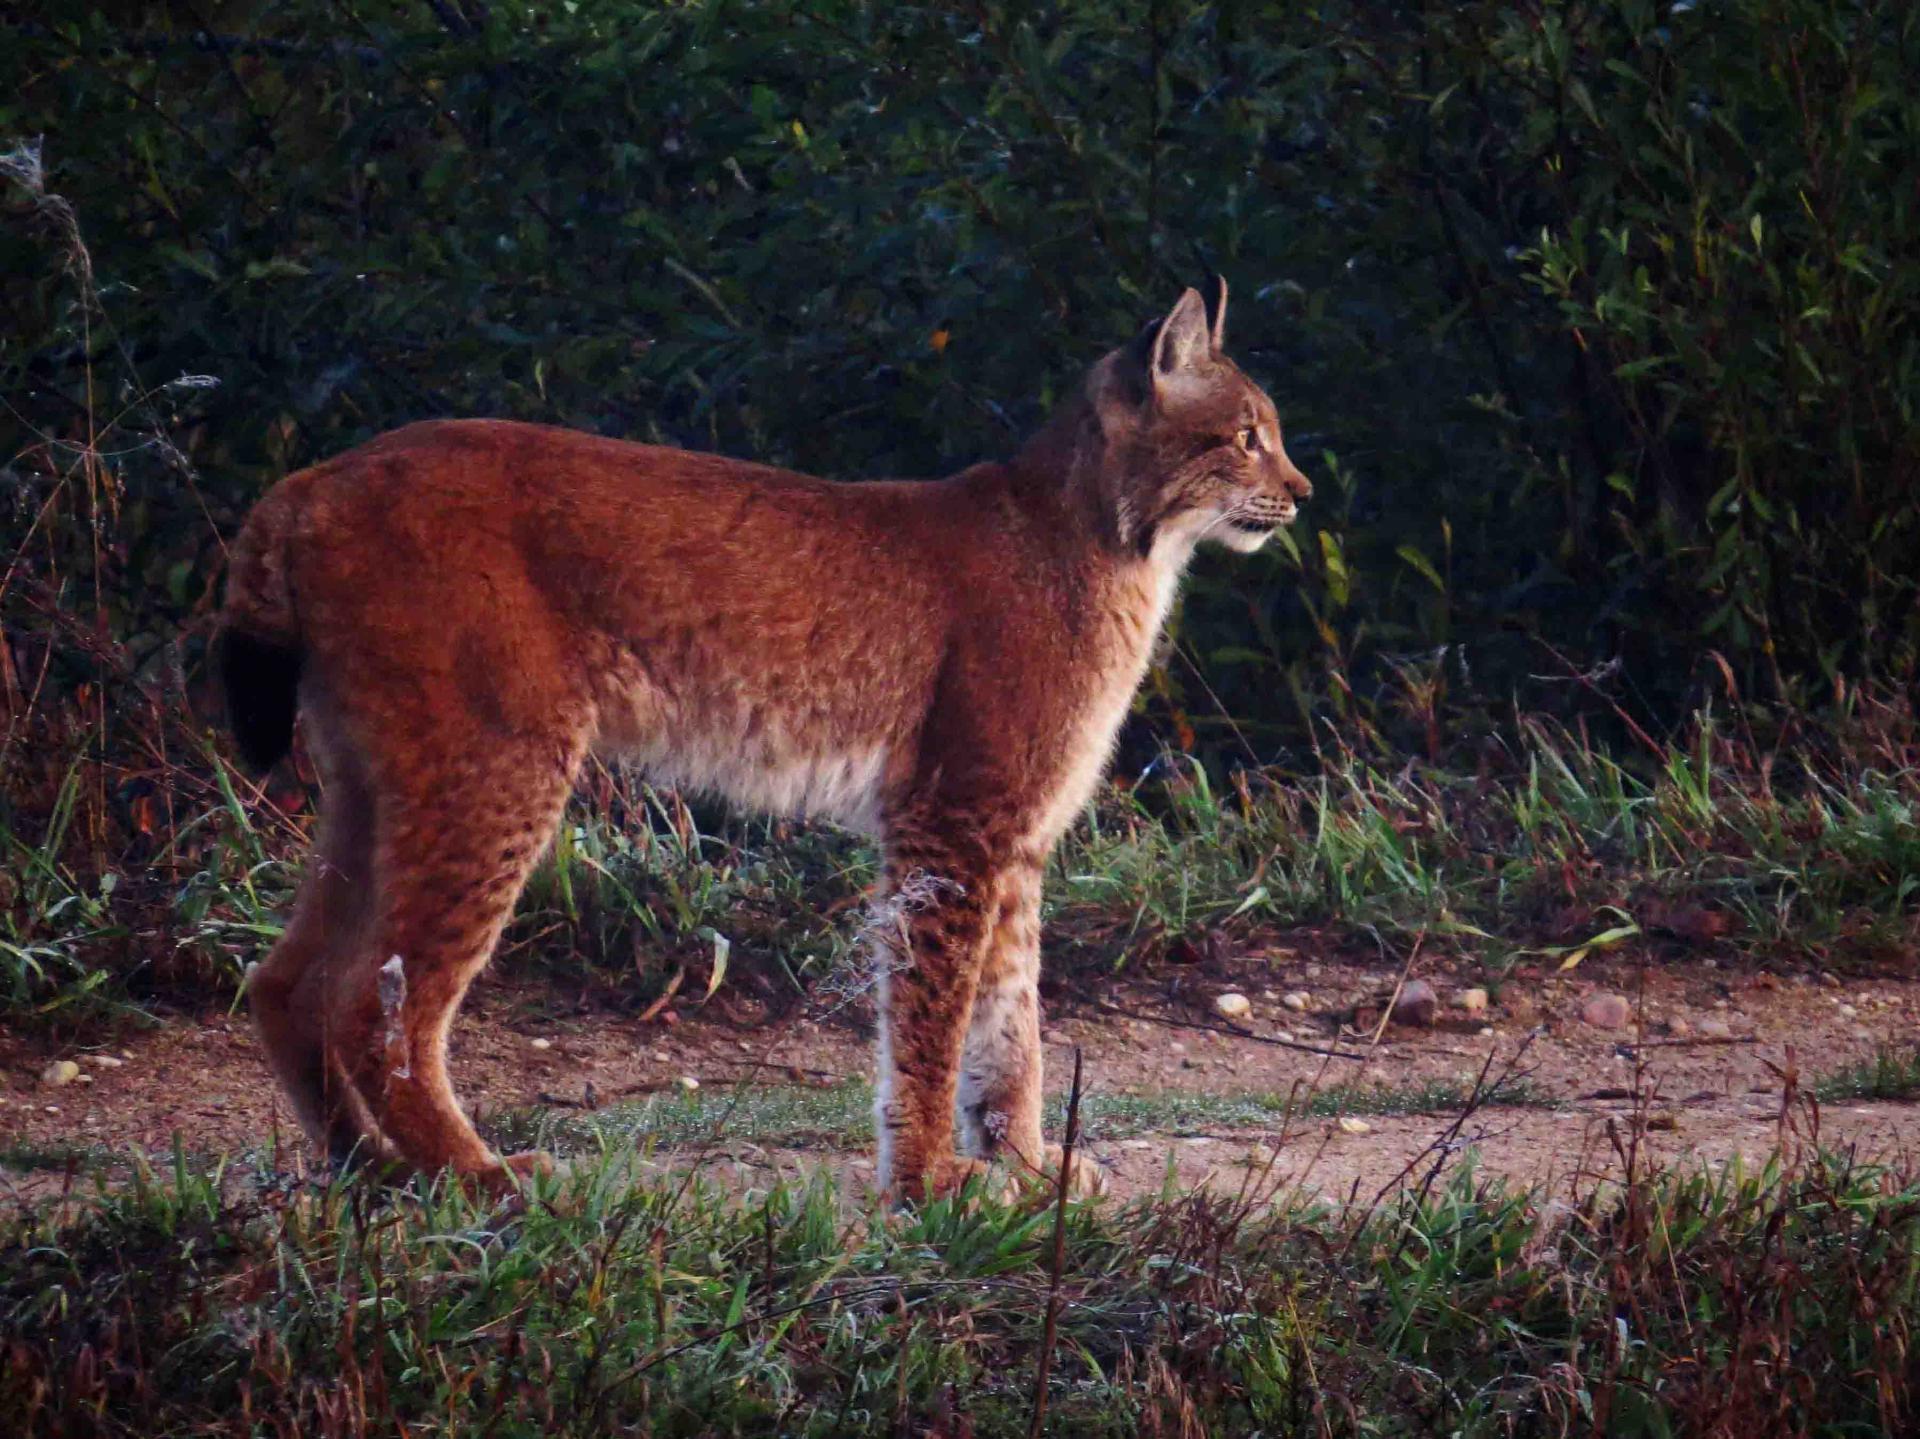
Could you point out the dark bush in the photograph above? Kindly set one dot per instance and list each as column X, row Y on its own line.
column 1594, row 322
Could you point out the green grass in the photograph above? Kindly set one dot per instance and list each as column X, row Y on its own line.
column 1558, row 851
column 1736, row 1302
column 25, row 1156
column 1116, row 1116
column 837, row 1116
column 1890, row 1074
column 1565, row 849
column 841, row 1116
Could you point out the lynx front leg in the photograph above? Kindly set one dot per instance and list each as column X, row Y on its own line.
column 928, row 934
column 1000, row 1075
column 1001, row 1072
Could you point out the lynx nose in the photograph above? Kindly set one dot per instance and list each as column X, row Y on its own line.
column 1295, row 483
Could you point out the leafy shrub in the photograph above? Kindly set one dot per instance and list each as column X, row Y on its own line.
column 1590, row 321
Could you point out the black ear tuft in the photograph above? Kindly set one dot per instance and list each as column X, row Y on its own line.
column 1217, row 312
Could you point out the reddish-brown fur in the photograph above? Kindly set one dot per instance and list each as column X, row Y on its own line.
column 475, row 606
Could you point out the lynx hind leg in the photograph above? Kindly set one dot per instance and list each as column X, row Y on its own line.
column 289, row 991
column 453, row 851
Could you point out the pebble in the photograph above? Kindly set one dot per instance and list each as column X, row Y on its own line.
column 541, row 1043
column 1296, row 1000
column 1715, row 1029
column 1232, row 1005
column 1285, row 1036
column 61, row 1071
column 1607, row 1011
column 1176, row 1046
column 104, row 1061
column 1847, row 1011
column 1417, row 1004
column 1678, row 1027
column 1486, row 1031
column 1350, row 1125
column 1473, row 1001
column 689, row 1083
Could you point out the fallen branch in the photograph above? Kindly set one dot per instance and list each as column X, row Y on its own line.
column 1228, row 1029
column 1689, row 1043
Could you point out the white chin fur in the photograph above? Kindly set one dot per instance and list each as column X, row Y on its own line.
column 1243, row 541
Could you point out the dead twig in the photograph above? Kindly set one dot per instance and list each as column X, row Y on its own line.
column 652, row 1011
column 1229, row 1029
column 1049, row 1331
column 1447, row 1140
column 1399, row 987
column 1629, row 1050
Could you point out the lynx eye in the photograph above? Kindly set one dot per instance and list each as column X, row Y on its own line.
column 1248, row 440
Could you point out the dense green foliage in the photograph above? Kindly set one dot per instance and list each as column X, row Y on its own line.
column 1595, row 324
column 1590, row 319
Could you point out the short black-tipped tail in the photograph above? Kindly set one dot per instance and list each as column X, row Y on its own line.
column 262, row 681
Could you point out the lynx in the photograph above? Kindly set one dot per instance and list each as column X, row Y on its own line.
column 463, row 611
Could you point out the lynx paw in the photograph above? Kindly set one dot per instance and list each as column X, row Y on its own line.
column 1087, row 1179
column 509, row 1178
column 529, row 1162
column 940, row 1180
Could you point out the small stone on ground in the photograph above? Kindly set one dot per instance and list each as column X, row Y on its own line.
column 1232, row 1005
column 1417, row 1005
column 1607, row 1011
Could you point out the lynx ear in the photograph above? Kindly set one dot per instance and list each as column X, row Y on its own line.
column 1183, row 343
column 1218, row 306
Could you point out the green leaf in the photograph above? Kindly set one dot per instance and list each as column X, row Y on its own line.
column 1336, row 567
column 1634, row 369
column 1420, row 562
column 278, row 268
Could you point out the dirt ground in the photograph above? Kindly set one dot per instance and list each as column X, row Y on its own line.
column 1697, row 1073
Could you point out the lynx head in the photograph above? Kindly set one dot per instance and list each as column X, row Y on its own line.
column 1191, row 448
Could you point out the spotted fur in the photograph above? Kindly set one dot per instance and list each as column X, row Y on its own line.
column 464, row 611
